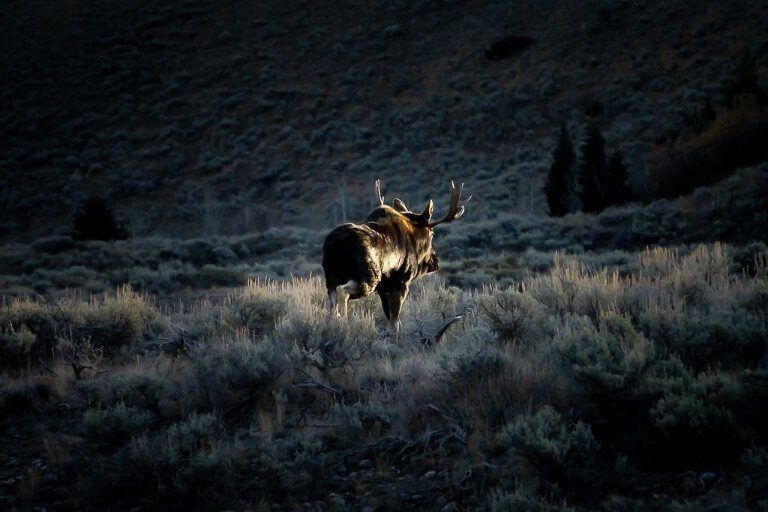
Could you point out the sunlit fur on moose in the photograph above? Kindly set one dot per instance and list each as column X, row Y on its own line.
column 384, row 254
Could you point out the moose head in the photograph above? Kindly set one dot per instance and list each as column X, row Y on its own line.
column 384, row 254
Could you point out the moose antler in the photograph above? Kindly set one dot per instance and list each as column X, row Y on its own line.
column 377, row 186
column 456, row 208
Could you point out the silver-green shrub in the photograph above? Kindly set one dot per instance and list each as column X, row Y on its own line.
column 115, row 423
column 549, row 441
column 234, row 375
column 256, row 307
column 608, row 359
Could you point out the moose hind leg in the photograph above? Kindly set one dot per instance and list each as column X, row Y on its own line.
column 396, row 299
column 333, row 300
column 350, row 288
column 384, row 303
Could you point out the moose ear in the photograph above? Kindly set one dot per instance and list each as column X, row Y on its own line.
column 428, row 211
column 398, row 205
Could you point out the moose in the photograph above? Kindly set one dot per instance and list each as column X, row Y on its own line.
column 384, row 254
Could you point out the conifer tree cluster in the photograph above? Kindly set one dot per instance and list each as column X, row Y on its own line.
column 95, row 221
column 560, row 185
column 591, row 184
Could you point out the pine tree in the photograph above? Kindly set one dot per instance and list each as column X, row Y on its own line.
column 559, row 187
column 744, row 83
column 95, row 221
column 591, row 173
column 616, row 176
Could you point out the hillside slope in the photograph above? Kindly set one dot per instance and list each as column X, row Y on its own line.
column 198, row 117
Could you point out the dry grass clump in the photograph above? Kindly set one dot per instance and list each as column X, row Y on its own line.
column 234, row 375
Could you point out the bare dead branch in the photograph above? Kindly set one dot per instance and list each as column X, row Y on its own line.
column 441, row 332
column 336, row 393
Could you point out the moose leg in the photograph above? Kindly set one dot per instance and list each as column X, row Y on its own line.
column 384, row 296
column 343, row 303
column 333, row 301
column 350, row 288
column 396, row 298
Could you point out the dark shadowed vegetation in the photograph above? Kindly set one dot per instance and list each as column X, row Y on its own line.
column 721, row 142
column 734, row 139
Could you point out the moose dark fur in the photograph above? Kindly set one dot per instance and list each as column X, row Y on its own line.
column 383, row 254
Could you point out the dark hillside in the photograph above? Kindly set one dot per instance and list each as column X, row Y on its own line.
column 205, row 117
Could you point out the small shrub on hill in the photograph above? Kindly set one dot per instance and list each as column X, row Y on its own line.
column 700, row 119
column 515, row 317
column 53, row 244
column 16, row 345
column 115, row 423
column 233, row 376
column 257, row 307
column 549, row 442
column 323, row 342
column 27, row 332
column 119, row 320
column 468, row 363
column 607, row 360
column 133, row 389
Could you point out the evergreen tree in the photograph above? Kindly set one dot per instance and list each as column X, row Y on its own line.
column 591, row 173
column 559, row 187
column 95, row 221
column 744, row 83
column 616, row 176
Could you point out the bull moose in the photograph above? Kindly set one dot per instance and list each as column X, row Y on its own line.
column 384, row 254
